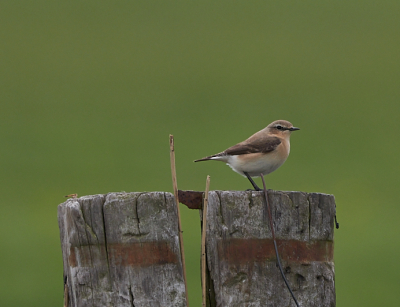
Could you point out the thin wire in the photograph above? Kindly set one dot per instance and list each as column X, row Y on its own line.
column 273, row 237
column 203, row 244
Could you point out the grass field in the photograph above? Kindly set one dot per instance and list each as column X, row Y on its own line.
column 89, row 93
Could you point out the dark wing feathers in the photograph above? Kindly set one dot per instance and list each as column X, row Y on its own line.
column 264, row 145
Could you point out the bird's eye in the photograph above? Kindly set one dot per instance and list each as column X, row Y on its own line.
column 279, row 127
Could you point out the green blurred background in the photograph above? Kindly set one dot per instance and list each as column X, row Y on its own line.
column 91, row 90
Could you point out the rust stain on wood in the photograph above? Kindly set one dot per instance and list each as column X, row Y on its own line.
column 72, row 257
column 142, row 254
column 139, row 254
column 240, row 251
column 192, row 199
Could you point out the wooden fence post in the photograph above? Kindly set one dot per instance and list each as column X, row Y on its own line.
column 121, row 249
column 241, row 259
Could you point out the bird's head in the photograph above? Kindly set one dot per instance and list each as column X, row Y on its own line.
column 282, row 128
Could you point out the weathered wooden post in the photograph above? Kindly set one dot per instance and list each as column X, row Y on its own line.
column 121, row 249
column 241, row 259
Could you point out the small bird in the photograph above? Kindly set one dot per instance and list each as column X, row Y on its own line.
column 262, row 153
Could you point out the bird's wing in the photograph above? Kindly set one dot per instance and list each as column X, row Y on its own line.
column 249, row 146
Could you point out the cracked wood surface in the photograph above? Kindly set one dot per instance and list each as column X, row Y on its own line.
column 241, row 260
column 121, row 249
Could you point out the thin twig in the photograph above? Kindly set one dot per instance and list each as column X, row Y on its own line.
column 203, row 243
column 66, row 295
column 273, row 237
column 175, row 186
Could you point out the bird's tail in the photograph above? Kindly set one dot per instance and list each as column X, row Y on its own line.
column 221, row 156
column 204, row 159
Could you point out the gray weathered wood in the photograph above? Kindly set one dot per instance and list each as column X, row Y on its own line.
column 122, row 249
column 241, row 259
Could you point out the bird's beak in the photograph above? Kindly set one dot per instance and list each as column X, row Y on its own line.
column 294, row 129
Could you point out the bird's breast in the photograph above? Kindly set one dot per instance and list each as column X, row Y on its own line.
column 256, row 163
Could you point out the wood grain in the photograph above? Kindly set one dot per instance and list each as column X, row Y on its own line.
column 122, row 249
column 240, row 254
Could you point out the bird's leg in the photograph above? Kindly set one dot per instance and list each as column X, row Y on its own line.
column 252, row 182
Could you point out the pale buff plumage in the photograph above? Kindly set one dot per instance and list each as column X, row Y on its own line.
column 262, row 153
